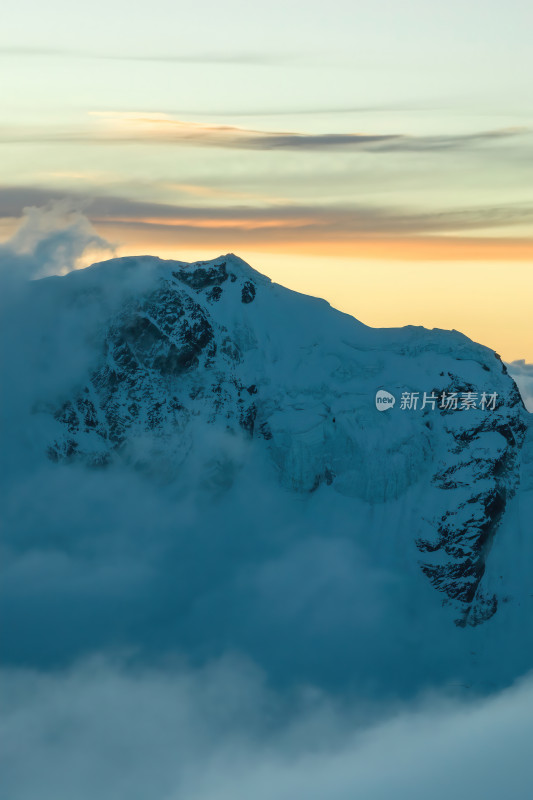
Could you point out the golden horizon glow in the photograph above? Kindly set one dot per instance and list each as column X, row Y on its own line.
column 462, row 295
column 232, row 232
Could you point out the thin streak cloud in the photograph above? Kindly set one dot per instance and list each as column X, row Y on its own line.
column 316, row 220
column 166, row 58
column 151, row 128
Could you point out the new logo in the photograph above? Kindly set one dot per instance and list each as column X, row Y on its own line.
column 384, row 400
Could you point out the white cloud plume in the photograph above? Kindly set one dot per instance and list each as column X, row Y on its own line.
column 51, row 240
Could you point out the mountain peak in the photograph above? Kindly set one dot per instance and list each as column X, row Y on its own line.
column 180, row 347
column 205, row 380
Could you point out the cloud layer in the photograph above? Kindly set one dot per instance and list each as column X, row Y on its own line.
column 104, row 730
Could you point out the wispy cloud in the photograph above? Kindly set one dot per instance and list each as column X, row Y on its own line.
column 24, row 50
column 361, row 231
column 199, row 57
column 339, row 219
column 153, row 128
column 269, row 111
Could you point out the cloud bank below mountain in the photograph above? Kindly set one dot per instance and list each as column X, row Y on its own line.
column 106, row 730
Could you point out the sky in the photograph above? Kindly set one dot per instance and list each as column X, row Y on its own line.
column 377, row 155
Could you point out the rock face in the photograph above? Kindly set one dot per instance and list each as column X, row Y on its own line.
column 217, row 344
column 480, row 476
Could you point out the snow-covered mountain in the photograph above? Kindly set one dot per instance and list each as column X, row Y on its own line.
column 193, row 373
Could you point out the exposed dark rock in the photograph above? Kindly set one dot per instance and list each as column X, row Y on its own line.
column 248, row 292
column 200, row 278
